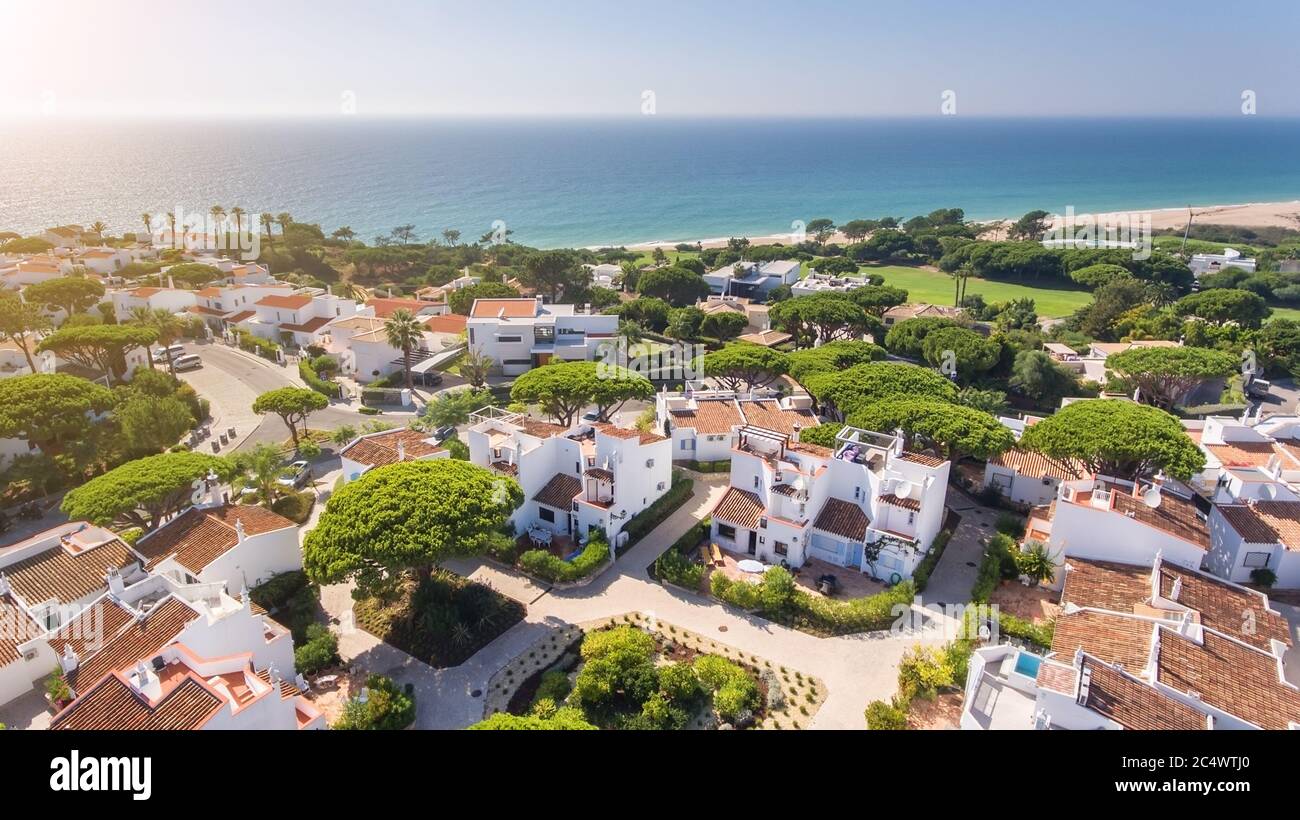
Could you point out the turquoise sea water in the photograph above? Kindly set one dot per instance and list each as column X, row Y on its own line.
column 576, row 182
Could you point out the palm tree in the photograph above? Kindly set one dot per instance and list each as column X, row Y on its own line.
column 474, row 368
column 959, row 277
column 171, row 220
column 260, row 468
column 238, row 213
column 267, row 221
column 1036, row 563
column 285, row 220
column 168, row 327
column 219, row 220
column 99, row 228
column 404, row 332
column 147, row 219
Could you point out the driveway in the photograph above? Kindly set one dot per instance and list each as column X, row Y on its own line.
column 952, row 579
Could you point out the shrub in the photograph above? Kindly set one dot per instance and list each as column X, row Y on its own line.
column 886, row 716
column 555, row 687
column 1036, row 563
column 676, row 568
column 1263, row 577
column 291, row 599
column 735, row 693
column 369, row 411
column 130, row 535
column 372, row 395
column 295, row 506
column 320, row 650
column 387, row 708
column 1012, row 525
column 923, row 671
column 921, row 575
column 643, row 522
column 545, row 565
column 331, row 389
column 256, row 344
column 563, row 719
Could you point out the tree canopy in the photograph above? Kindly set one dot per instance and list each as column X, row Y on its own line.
column 844, row 391
column 820, row 316
column 1222, row 305
column 906, row 337
column 1165, row 374
column 676, row 285
column 832, row 356
column 744, row 366
column 460, row 301
column 1037, row 375
column 876, row 299
column 71, row 294
column 50, row 409
column 407, row 517
column 560, row 389
column 555, row 274
column 952, row 430
column 21, row 323
column 293, row 405
column 1117, row 438
column 99, row 347
column 971, row 354
column 142, row 493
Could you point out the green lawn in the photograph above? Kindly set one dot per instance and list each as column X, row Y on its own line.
column 936, row 287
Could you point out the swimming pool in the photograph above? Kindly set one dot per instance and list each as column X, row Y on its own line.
column 1027, row 664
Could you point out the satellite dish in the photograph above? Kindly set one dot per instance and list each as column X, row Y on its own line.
column 1269, row 492
column 904, row 489
column 1152, row 497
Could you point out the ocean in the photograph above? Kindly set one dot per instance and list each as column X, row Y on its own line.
column 558, row 183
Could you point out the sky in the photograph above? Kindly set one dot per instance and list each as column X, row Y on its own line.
column 386, row 58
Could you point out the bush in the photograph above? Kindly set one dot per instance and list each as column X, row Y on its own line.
column 256, row 344
column 555, row 687
column 1263, row 577
column 643, row 522
column 320, row 650
column 545, row 565
column 676, row 568
column 372, row 395
column 291, row 599
column 921, row 575
column 330, row 389
column 735, row 693
column 369, row 411
column 886, row 716
column 1012, row 525
column 388, row 708
column 923, row 671
column 295, row 506
column 130, row 535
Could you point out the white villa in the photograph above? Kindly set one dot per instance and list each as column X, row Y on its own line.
column 867, row 504
column 300, row 316
column 575, row 481
column 1206, row 263
column 360, row 343
column 520, row 334
column 752, row 279
column 172, row 300
column 388, row 447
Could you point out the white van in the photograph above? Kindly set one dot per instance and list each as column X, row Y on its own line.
column 187, row 362
column 160, row 353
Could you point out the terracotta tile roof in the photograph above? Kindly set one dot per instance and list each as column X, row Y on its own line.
column 208, row 293
column 739, row 508
column 143, row 293
column 1242, row 453
column 17, row 628
column 905, row 503
column 310, row 326
column 93, row 628
column 710, row 416
column 381, row 449
column 624, row 433
column 513, row 308
column 56, row 573
column 769, row 415
column 1035, row 465
column 241, row 316
column 1266, row 522
column 599, row 474
column 1057, row 677
column 1114, row 638
column 138, row 641
column 199, row 536
column 1235, row 611
column 384, row 308
column 293, row 302
column 288, row 689
column 842, row 518
column 924, row 459
column 1105, row 584
column 505, row 467
column 559, row 491
column 768, row 338
column 1176, row 516
column 1229, row 676
column 446, row 323
column 1133, row 704
column 113, row 705
column 786, row 489
column 205, row 311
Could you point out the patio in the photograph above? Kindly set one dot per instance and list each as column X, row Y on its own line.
column 561, row 545
column 850, row 583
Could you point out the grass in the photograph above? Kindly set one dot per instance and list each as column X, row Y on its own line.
column 936, row 287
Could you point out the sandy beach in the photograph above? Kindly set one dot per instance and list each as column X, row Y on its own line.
column 1251, row 214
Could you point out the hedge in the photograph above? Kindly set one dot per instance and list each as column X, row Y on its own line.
column 674, row 566
column 256, row 344
column 921, row 575
column 545, row 565
column 296, row 506
column 721, row 466
column 381, row 395
column 643, row 522
column 815, row 613
column 330, row 389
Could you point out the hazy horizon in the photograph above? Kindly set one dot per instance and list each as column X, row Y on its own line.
column 822, row 59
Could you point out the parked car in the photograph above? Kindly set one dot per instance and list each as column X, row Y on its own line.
column 296, row 475
column 1259, row 388
column 189, row 361
column 445, row 432
column 160, row 353
column 591, row 416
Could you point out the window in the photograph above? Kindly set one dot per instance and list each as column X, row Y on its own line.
column 762, row 539
column 756, row 482
column 762, row 523
column 1256, row 560
column 660, row 485
column 781, row 548
column 546, row 515
column 857, row 493
column 688, row 444
column 471, row 336
column 911, row 518
column 504, row 339
column 726, row 531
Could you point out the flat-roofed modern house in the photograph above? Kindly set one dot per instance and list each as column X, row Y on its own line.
column 520, row 334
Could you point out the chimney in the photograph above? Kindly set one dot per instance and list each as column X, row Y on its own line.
column 246, row 599
column 239, row 529
column 68, row 661
column 401, row 450
column 115, row 582
column 4, row 585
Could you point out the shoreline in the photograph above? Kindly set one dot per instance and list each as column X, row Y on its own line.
column 1249, row 214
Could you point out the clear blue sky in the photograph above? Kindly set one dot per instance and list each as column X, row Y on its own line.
column 501, row 57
